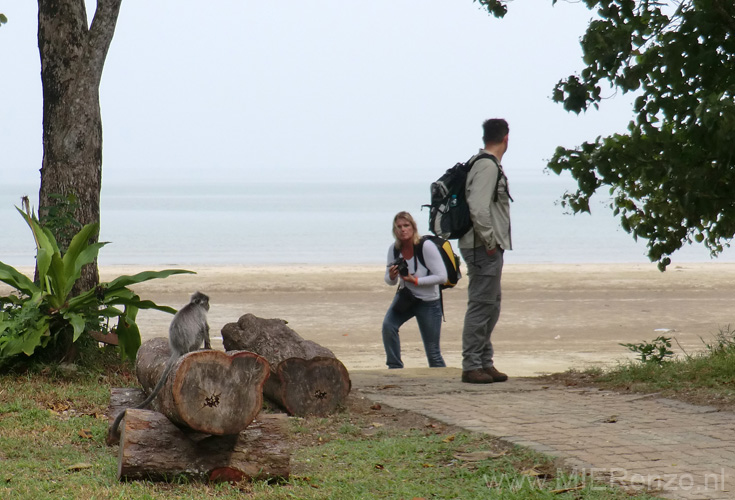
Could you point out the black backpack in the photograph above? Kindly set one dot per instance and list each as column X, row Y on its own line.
column 449, row 214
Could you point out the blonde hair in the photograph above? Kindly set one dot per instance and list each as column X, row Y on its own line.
column 406, row 216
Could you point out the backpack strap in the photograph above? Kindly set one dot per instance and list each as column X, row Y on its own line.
column 497, row 181
column 471, row 162
column 501, row 174
column 419, row 252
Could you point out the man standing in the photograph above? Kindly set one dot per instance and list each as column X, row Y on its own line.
column 482, row 249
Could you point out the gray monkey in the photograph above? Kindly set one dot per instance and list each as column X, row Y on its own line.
column 188, row 330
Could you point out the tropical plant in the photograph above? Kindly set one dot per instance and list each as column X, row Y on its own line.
column 655, row 352
column 43, row 313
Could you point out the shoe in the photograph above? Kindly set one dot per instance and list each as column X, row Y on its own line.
column 495, row 374
column 477, row 377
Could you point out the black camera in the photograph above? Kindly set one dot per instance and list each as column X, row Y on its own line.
column 402, row 266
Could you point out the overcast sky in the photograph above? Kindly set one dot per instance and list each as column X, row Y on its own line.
column 356, row 90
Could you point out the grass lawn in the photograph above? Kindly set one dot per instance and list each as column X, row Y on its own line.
column 706, row 378
column 52, row 445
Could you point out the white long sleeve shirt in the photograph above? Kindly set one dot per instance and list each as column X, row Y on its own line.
column 429, row 277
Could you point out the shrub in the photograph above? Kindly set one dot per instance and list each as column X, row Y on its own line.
column 652, row 352
column 42, row 313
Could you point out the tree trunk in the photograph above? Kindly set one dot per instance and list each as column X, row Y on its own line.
column 208, row 391
column 153, row 448
column 306, row 378
column 72, row 58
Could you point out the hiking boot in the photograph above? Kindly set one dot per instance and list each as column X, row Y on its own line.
column 477, row 377
column 495, row 374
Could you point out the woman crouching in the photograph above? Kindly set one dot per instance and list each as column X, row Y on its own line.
column 418, row 291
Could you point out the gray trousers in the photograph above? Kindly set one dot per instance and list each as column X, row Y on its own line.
column 483, row 306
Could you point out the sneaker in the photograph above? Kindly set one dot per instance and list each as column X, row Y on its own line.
column 477, row 377
column 495, row 374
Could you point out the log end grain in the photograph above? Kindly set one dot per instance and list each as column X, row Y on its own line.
column 317, row 386
column 218, row 393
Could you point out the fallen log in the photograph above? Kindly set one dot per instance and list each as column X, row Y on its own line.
column 152, row 448
column 306, row 378
column 208, row 391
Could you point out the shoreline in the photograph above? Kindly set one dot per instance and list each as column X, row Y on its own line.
column 367, row 266
column 554, row 317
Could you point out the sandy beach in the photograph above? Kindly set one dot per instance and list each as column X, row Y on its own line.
column 554, row 317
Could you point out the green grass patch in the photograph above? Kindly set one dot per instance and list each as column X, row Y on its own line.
column 707, row 377
column 53, row 426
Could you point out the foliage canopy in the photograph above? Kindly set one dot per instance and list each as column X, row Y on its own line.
column 671, row 176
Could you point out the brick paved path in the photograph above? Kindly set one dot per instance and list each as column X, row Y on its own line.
column 686, row 451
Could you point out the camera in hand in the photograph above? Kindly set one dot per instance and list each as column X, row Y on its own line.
column 402, row 266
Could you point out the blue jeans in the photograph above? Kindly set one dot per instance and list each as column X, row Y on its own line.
column 429, row 317
column 483, row 306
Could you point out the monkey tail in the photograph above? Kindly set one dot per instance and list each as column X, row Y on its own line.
column 148, row 400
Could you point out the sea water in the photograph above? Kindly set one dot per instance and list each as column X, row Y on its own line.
column 319, row 223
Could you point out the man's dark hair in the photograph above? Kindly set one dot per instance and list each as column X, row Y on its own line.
column 493, row 130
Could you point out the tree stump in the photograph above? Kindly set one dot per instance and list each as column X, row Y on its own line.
column 153, row 448
column 208, row 391
column 306, row 378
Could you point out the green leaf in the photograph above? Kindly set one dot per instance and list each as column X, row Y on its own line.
column 33, row 338
column 145, row 304
column 79, row 242
column 79, row 253
column 17, row 280
column 128, row 298
column 128, row 334
column 56, row 278
column 35, row 334
column 124, row 281
column 45, row 245
column 73, row 270
column 77, row 322
column 83, row 300
column 110, row 312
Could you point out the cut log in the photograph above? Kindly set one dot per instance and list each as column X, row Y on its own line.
column 306, row 378
column 153, row 448
column 208, row 391
column 121, row 398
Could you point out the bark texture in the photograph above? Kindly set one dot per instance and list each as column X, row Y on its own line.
column 306, row 378
column 153, row 448
column 207, row 391
column 72, row 58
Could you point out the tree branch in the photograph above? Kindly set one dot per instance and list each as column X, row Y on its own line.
column 101, row 33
